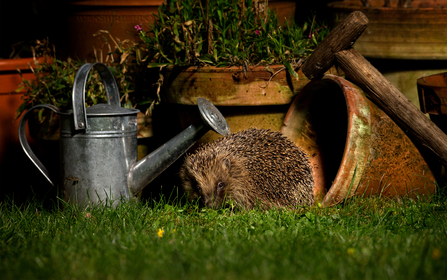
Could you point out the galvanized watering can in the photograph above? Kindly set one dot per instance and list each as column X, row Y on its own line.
column 99, row 145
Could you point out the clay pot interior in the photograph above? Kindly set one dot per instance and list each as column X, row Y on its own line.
column 320, row 117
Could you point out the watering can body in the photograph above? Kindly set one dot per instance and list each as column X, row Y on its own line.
column 98, row 145
column 95, row 164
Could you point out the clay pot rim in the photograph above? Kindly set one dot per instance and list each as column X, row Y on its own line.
column 253, row 90
column 352, row 162
column 12, row 64
column 433, row 80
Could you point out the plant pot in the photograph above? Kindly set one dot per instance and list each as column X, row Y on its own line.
column 118, row 16
column 416, row 32
column 245, row 102
column 432, row 92
column 285, row 10
column 10, row 100
column 353, row 146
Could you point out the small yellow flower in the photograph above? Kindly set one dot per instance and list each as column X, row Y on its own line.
column 351, row 251
column 436, row 254
column 160, row 232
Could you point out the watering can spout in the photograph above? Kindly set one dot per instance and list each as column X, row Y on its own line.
column 148, row 168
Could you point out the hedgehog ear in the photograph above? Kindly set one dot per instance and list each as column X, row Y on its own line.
column 227, row 163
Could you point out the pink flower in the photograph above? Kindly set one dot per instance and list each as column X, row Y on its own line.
column 139, row 28
column 258, row 32
column 310, row 35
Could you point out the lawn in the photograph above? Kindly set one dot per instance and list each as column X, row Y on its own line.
column 367, row 238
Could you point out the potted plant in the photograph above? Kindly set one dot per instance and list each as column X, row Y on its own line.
column 232, row 54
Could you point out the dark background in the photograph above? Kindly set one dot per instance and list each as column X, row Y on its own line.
column 27, row 20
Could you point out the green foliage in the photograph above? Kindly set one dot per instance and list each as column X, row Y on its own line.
column 362, row 239
column 226, row 33
column 54, row 80
column 53, row 85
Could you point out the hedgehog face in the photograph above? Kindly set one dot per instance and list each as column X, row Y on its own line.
column 208, row 181
column 212, row 193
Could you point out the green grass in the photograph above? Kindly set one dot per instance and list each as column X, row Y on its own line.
column 364, row 239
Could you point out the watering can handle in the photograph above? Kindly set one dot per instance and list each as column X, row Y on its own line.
column 24, row 143
column 80, row 81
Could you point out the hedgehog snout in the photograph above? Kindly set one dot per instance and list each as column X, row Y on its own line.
column 211, row 200
column 208, row 199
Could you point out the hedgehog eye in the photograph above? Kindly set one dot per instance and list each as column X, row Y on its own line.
column 198, row 188
column 220, row 185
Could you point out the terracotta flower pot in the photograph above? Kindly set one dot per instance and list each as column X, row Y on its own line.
column 10, row 100
column 250, row 101
column 432, row 92
column 350, row 140
column 11, row 154
column 285, row 10
column 86, row 18
column 415, row 32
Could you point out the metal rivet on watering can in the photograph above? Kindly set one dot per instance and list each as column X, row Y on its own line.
column 99, row 145
column 349, row 140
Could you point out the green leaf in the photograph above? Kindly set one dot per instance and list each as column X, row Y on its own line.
column 299, row 52
column 19, row 89
column 144, row 102
column 21, row 109
column 289, row 68
column 39, row 115
column 219, row 13
column 151, row 65
column 208, row 58
column 128, row 105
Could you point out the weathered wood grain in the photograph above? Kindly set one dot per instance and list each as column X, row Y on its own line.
column 342, row 37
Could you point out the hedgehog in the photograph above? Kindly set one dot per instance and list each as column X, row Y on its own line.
column 254, row 167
